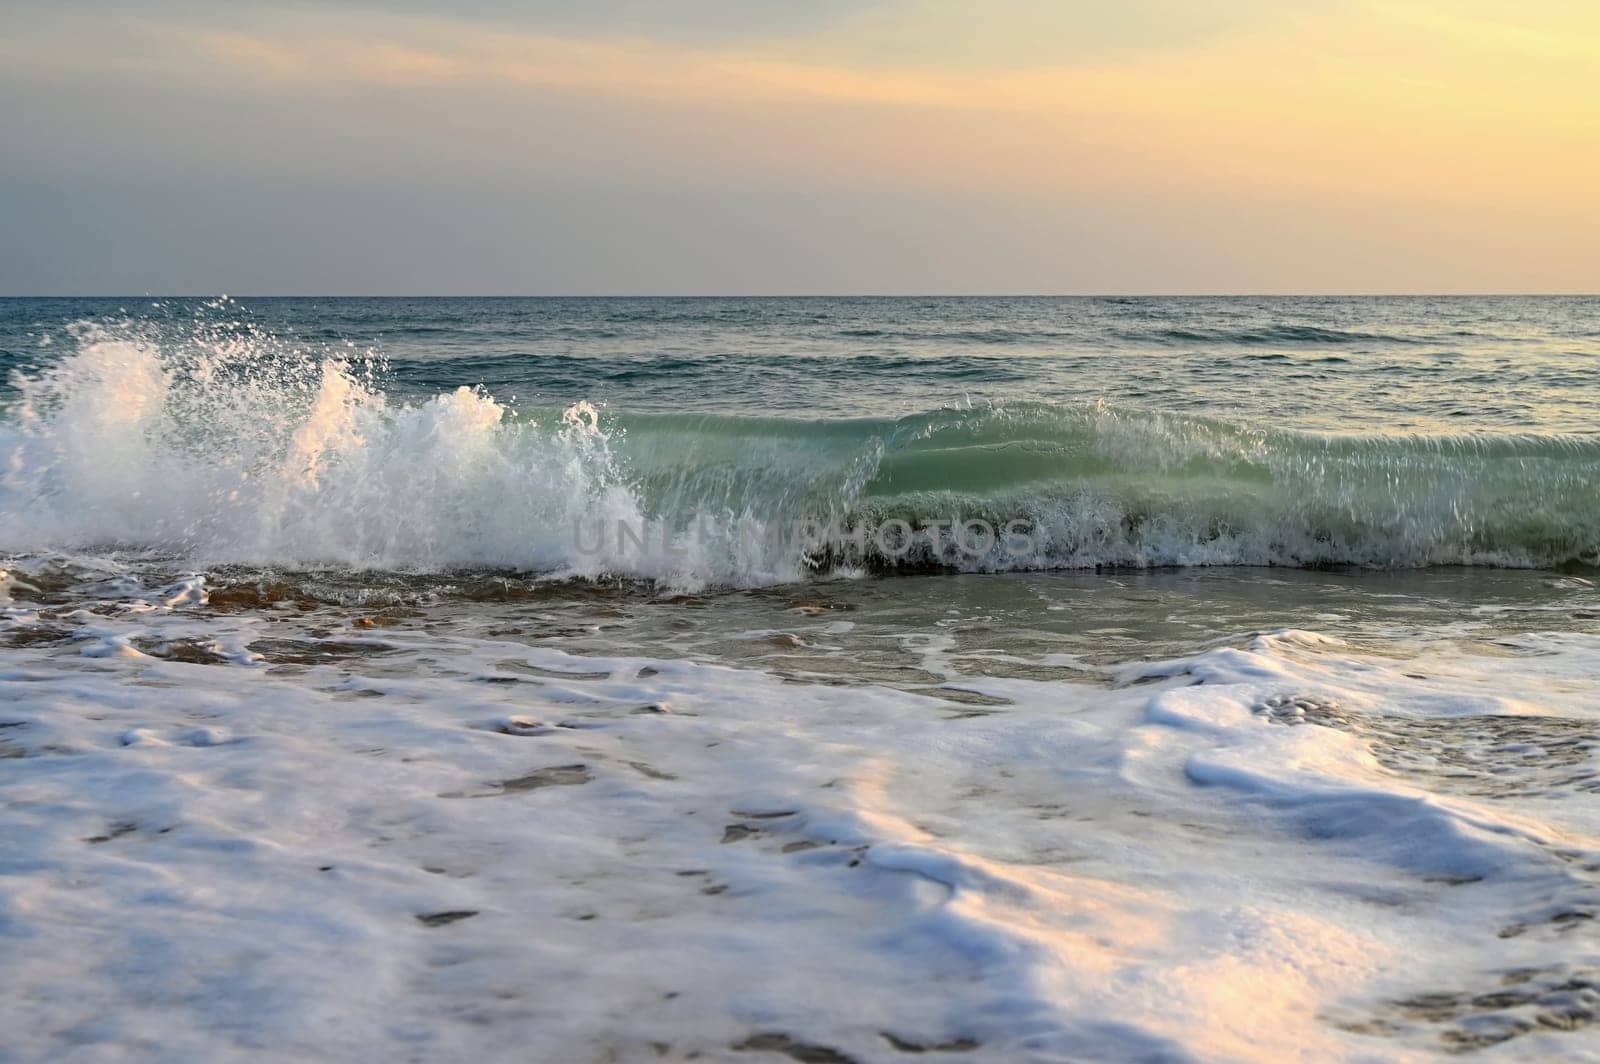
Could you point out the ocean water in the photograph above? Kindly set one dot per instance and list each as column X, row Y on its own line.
column 838, row 679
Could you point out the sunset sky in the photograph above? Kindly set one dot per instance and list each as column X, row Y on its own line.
column 927, row 146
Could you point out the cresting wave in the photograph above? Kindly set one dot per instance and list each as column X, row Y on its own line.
column 1293, row 334
column 237, row 451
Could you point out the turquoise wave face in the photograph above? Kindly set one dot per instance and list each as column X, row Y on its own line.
column 1105, row 486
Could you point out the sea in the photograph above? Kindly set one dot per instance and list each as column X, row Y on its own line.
column 819, row 679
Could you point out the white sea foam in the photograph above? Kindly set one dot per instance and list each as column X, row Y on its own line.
column 450, row 846
column 226, row 458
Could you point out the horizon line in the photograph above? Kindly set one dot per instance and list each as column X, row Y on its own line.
column 816, row 295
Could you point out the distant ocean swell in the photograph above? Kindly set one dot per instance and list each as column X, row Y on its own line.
column 1245, row 337
column 1292, row 334
column 239, row 453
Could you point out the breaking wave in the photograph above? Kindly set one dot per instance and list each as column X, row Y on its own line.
column 240, row 452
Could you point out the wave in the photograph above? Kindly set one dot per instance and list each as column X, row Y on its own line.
column 237, row 451
column 1276, row 334
column 978, row 337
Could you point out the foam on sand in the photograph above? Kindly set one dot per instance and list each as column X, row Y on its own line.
column 231, row 834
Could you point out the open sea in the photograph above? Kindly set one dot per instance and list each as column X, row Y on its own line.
column 822, row 679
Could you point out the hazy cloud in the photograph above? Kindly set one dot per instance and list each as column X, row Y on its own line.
column 894, row 147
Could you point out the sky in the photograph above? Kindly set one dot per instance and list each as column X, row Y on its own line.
column 765, row 147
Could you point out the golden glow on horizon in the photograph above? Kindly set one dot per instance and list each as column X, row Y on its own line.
column 1386, row 99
